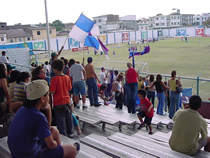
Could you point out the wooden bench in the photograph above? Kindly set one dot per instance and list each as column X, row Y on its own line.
column 146, row 146
column 113, row 149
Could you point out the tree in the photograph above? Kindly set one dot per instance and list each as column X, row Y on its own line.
column 207, row 23
column 58, row 25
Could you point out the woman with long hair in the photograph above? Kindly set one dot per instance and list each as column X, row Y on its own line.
column 174, row 94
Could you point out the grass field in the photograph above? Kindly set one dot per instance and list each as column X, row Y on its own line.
column 190, row 59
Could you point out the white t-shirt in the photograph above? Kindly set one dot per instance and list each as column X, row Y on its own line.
column 103, row 78
column 47, row 68
column 3, row 59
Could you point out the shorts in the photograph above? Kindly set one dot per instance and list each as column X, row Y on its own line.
column 51, row 153
column 147, row 120
column 79, row 88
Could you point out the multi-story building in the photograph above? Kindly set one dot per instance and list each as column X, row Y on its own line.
column 200, row 19
column 143, row 24
column 128, row 23
column 22, row 33
column 187, row 19
column 173, row 20
column 110, row 20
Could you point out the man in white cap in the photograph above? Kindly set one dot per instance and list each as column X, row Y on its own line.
column 30, row 136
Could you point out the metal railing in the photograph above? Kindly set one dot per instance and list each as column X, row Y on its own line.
column 200, row 86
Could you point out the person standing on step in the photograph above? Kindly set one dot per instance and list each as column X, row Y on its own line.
column 60, row 87
column 146, row 111
column 91, row 83
column 174, row 95
column 78, row 74
column 131, row 77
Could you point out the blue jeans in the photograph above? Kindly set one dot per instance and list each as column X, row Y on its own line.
column 161, row 102
column 92, row 91
column 63, row 119
column 132, row 92
column 151, row 97
column 174, row 103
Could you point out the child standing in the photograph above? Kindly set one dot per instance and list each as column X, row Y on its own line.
column 146, row 111
column 60, row 87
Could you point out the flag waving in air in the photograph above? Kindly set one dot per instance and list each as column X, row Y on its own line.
column 86, row 31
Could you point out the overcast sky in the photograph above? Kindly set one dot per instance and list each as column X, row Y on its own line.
column 33, row 11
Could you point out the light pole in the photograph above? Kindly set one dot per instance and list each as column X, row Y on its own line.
column 47, row 28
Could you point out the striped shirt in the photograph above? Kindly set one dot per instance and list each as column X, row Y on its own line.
column 19, row 92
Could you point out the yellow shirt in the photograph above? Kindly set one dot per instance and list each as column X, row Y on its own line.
column 140, row 85
column 172, row 84
column 188, row 124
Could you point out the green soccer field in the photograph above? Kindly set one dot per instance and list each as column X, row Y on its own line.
column 189, row 59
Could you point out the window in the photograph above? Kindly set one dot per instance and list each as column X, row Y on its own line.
column 38, row 33
column 11, row 40
column 50, row 31
column 2, row 38
column 172, row 23
column 99, row 20
column 99, row 26
column 28, row 38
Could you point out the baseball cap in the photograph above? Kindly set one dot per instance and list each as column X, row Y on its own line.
column 36, row 89
column 53, row 54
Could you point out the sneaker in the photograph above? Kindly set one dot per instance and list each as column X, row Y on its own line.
column 84, row 107
column 71, row 135
column 77, row 146
column 97, row 105
column 141, row 126
column 150, row 132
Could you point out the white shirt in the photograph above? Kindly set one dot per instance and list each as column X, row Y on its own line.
column 47, row 68
column 103, row 77
column 3, row 59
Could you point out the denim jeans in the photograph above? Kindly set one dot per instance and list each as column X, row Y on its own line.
column 132, row 92
column 174, row 103
column 151, row 97
column 92, row 91
column 161, row 102
column 63, row 119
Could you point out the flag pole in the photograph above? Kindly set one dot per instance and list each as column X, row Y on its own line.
column 133, row 59
column 47, row 28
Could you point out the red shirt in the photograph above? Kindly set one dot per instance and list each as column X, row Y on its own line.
column 145, row 104
column 60, row 86
column 131, row 76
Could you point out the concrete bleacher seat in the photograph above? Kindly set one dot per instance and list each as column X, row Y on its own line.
column 163, row 139
column 85, row 151
column 151, row 147
column 4, row 150
column 113, row 149
column 106, row 115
